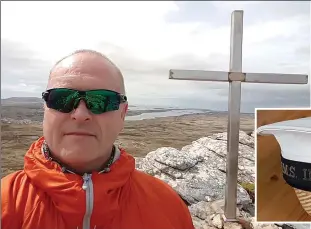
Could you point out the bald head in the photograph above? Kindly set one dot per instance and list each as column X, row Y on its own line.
column 85, row 70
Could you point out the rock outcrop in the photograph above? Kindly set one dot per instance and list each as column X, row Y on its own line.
column 198, row 173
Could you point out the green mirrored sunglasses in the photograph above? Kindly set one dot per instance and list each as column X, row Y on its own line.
column 97, row 101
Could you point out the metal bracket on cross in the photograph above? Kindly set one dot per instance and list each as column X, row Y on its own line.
column 235, row 76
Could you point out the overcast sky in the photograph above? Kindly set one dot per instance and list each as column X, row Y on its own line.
column 146, row 39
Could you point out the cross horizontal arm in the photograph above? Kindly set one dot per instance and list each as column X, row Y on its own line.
column 276, row 78
column 198, row 75
column 273, row 78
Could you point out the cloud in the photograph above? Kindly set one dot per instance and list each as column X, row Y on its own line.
column 23, row 72
column 146, row 39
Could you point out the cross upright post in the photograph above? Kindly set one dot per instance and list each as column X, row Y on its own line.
column 235, row 76
column 234, row 100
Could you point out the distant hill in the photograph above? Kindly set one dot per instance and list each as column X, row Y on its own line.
column 21, row 100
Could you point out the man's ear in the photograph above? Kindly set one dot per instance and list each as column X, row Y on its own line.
column 124, row 111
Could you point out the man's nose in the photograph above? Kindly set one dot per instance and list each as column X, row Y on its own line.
column 81, row 113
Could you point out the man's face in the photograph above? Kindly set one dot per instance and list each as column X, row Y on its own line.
column 83, row 71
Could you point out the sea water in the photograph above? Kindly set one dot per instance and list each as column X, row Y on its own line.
column 159, row 113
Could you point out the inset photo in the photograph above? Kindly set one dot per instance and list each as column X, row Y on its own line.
column 283, row 163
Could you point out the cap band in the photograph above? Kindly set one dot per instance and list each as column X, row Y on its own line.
column 297, row 174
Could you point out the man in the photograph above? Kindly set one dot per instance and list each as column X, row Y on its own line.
column 74, row 176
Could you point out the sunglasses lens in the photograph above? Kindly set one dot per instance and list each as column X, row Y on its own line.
column 100, row 101
column 61, row 99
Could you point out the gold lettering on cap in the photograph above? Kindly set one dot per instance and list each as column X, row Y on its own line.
column 289, row 170
column 307, row 174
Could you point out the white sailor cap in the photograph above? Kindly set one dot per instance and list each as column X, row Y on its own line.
column 294, row 138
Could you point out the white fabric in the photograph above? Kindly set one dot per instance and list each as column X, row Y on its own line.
column 293, row 136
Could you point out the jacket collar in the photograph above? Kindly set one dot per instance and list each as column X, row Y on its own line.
column 115, row 154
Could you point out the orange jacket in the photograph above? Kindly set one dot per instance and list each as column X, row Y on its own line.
column 43, row 197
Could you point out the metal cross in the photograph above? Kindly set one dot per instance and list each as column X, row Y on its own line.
column 235, row 76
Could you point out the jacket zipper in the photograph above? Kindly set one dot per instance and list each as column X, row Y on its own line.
column 88, row 187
